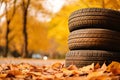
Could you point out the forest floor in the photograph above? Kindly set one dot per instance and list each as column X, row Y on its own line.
column 30, row 61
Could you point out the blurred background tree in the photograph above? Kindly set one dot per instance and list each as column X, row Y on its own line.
column 40, row 26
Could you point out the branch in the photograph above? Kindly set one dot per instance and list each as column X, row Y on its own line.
column 17, row 6
column 14, row 9
column 1, row 1
column 6, row 12
column 28, row 3
column 23, row 5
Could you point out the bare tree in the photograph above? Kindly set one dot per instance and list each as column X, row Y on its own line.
column 8, row 20
column 25, row 6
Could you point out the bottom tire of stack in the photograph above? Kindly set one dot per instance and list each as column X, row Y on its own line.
column 82, row 58
column 94, row 39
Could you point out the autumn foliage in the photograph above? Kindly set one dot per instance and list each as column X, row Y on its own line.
column 58, row 71
column 44, row 36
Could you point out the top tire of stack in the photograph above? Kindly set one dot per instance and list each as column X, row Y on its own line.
column 94, row 18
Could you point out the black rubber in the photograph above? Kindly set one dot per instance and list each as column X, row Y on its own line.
column 105, row 24
column 86, row 57
column 94, row 18
column 84, row 63
column 99, row 10
column 94, row 43
column 102, row 14
column 94, row 33
column 98, row 39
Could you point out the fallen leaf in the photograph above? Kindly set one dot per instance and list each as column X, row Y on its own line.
column 57, row 66
column 114, row 67
column 87, row 68
column 97, row 66
column 100, row 78
column 72, row 67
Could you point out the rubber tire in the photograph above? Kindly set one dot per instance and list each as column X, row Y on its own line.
column 94, row 18
column 98, row 39
column 99, row 10
column 94, row 33
column 94, row 43
column 82, row 58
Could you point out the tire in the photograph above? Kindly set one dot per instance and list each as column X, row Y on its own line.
column 94, row 33
column 82, row 58
column 99, row 10
column 94, row 43
column 83, row 63
column 98, row 39
column 105, row 24
column 94, row 18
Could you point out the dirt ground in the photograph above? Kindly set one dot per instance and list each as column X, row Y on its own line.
column 30, row 61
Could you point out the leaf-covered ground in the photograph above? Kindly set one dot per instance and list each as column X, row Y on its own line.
column 58, row 71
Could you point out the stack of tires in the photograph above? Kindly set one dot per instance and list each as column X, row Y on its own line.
column 94, row 37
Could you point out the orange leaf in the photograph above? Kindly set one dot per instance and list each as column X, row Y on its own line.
column 114, row 67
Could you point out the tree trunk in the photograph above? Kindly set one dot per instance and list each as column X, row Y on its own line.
column 8, row 20
column 25, row 52
column 6, row 37
column 25, row 13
